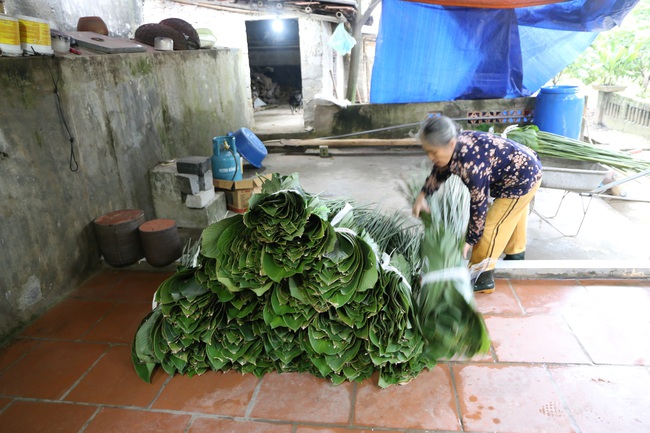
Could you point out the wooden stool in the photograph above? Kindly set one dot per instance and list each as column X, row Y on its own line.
column 117, row 233
column 160, row 242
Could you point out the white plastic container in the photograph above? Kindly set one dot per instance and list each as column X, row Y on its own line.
column 164, row 44
column 34, row 35
column 10, row 36
column 61, row 44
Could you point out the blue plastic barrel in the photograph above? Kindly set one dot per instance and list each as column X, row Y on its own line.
column 559, row 109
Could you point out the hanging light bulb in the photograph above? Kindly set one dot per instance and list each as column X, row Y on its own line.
column 277, row 25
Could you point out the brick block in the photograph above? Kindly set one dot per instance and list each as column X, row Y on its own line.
column 197, row 165
column 189, row 183
column 200, row 200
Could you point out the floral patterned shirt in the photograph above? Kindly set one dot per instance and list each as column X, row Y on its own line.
column 488, row 165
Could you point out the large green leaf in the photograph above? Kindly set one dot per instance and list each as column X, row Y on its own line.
column 143, row 342
column 143, row 356
column 212, row 234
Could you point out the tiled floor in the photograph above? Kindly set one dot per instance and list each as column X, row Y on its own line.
column 567, row 356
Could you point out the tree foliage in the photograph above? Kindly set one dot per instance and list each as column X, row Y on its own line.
column 618, row 56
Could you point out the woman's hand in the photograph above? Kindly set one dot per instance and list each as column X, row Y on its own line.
column 420, row 205
column 466, row 250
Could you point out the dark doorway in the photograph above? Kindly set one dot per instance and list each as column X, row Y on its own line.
column 274, row 58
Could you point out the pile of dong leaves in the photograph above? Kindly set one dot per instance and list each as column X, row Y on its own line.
column 300, row 284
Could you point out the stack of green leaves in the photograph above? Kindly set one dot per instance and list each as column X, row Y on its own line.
column 239, row 346
column 175, row 333
column 351, row 267
column 295, row 284
column 395, row 342
column 290, row 224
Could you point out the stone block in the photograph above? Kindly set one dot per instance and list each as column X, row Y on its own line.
column 197, row 165
column 168, row 201
column 200, row 200
column 189, row 183
column 205, row 181
column 193, row 184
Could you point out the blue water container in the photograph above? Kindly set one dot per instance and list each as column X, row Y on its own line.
column 226, row 162
column 559, row 109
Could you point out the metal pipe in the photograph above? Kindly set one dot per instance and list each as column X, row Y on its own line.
column 620, row 181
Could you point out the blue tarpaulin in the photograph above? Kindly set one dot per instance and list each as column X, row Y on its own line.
column 428, row 53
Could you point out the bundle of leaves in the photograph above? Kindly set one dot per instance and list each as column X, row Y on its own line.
column 290, row 224
column 444, row 298
column 175, row 333
column 350, row 267
column 390, row 233
column 233, row 257
column 238, row 345
column 295, row 284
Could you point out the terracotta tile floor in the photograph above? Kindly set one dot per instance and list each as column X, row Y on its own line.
column 567, row 356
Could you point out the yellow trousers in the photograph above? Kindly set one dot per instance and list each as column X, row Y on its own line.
column 505, row 229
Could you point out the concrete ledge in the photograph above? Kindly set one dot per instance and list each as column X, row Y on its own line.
column 567, row 269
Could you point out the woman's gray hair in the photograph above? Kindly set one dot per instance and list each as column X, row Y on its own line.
column 437, row 131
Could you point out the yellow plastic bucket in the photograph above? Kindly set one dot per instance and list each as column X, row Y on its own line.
column 34, row 35
column 9, row 36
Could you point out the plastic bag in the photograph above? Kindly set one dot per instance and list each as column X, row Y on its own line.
column 341, row 40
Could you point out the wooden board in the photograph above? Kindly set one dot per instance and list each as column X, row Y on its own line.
column 106, row 44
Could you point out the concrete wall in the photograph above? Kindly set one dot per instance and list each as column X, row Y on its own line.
column 316, row 57
column 623, row 114
column 127, row 113
column 318, row 63
column 332, row 120
column 121, row 17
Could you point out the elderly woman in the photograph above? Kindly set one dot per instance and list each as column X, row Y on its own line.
column 488, row 165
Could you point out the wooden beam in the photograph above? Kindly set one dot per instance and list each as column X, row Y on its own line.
column 250, row 10
column 350, row 142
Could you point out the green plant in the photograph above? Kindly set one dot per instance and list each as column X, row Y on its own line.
column 613, row 60
column 617, row 56
column 639, row 21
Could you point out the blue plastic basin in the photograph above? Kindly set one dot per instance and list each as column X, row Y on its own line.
column 250, row 146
